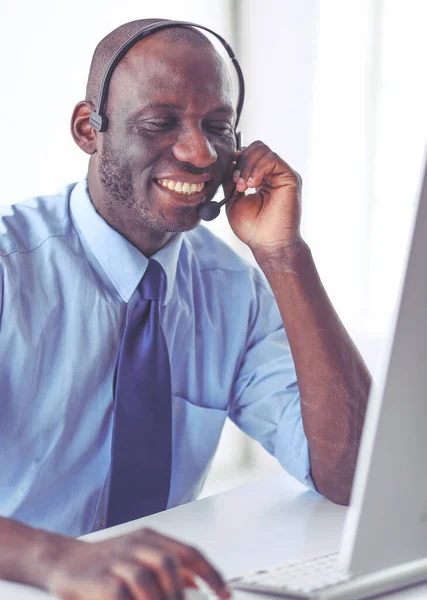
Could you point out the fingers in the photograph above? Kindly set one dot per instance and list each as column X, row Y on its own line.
column 228, row 184
column 165, row 568
column 245, row 164
column 143, row 565
column 140, row 582
column 257, row 164
column 157, row 578
column 187, row 578
column 190, row 558
column 195, row 561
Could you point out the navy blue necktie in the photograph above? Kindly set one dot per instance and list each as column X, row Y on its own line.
column 142, row 430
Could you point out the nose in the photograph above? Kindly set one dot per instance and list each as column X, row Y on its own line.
column 194, row 147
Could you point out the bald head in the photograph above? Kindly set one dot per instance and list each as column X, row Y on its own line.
column 109, row 45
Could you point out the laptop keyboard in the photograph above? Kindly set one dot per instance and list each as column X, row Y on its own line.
column 300, row 578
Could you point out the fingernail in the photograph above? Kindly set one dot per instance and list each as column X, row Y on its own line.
column 241, row 181
column 250, row 182
column 236, row 174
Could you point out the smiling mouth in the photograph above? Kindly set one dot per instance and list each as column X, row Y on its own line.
column 181, row 187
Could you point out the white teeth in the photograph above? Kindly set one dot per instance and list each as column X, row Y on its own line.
column 180, row 187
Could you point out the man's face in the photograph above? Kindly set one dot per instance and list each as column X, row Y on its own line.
column 170, row 139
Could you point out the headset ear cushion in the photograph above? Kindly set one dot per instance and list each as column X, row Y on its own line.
column 238, row 135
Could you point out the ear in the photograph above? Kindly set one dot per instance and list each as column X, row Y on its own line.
column 83, row 134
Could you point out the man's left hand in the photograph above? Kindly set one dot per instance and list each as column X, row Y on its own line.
column 269, row 219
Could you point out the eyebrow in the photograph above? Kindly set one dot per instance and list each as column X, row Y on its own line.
column 228, row 110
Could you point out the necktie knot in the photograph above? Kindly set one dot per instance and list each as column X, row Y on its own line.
column 153, row 282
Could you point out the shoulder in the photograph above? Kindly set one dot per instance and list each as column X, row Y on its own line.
column 211, row 254
column 233, row 291
column 27, row 225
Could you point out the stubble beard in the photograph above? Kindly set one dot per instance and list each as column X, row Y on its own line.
column 122, row 202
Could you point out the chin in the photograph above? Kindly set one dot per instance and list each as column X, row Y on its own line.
column 182, row 219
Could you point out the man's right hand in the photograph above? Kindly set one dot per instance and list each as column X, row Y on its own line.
column 143, row 565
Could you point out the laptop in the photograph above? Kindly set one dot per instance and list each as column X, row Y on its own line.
column 384, row 542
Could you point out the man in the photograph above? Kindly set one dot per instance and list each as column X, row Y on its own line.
column 71, row 267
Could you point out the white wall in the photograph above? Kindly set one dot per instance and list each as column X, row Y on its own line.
column 367, row 138
column 400, row 136
column 277, row 44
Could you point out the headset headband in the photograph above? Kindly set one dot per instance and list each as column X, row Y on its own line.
column 99, row 121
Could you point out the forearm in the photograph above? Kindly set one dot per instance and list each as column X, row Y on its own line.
column 332, row 377
column 25, row 553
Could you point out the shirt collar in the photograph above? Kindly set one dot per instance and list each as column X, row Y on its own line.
column 122, row 262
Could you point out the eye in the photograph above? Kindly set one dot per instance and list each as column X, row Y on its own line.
column 220, row 127
column 156, row 125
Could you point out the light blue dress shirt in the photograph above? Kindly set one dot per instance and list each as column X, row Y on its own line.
column 67, row 284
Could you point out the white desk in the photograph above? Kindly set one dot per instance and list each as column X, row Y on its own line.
column 252, row 526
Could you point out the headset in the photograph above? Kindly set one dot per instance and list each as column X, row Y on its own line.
column 99, row 121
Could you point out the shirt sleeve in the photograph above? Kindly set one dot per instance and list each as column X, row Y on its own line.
column 266, row 401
